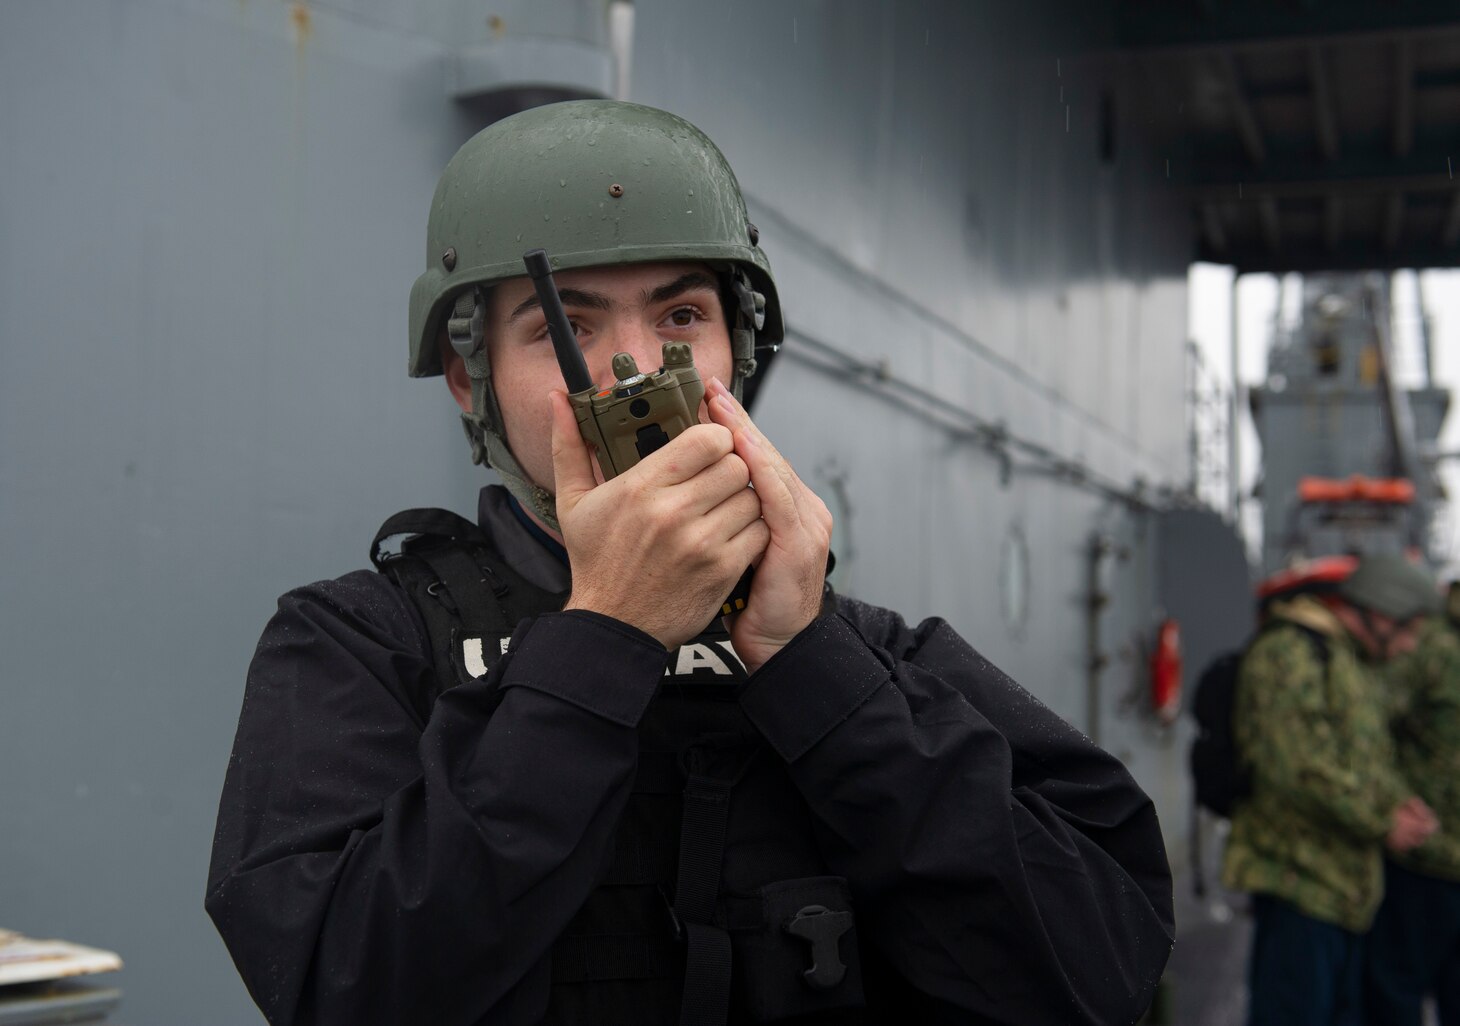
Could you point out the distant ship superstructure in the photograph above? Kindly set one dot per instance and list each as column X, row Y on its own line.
column 1343, row 470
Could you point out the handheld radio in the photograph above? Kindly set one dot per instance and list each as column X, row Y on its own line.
column 635, row 415
column 638, row 413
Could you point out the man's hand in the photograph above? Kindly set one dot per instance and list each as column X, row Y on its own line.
column 662, row 544
column 786, row 593
column 1411, row 825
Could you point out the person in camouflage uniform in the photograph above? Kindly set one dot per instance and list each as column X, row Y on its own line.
column 1414, row 947
column 1327, row 797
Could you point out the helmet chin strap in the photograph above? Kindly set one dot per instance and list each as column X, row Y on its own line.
column 490, row 449
column 485, row 430
column 749, row 319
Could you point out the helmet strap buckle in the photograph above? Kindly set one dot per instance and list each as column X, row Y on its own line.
column 476, row 435
column 752, row 303
column 466, row 327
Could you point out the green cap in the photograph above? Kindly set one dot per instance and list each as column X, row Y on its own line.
column 1391, row 586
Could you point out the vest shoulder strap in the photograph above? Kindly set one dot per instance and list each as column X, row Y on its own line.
column 459, row 583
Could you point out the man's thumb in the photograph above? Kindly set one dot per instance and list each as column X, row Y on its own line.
column 572, row 462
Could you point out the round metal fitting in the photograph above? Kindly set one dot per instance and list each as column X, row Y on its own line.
column 448, row 259
column 754, row 233
column 615, row 190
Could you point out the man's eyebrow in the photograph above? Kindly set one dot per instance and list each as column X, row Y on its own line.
column 684, row 283
column 570, row 297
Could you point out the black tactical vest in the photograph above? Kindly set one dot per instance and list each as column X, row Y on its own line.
column 716, row 905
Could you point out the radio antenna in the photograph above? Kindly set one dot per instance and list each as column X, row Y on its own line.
column 565, row 342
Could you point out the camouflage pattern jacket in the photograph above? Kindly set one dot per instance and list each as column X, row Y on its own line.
column 1324, row 782
column 1425, row 696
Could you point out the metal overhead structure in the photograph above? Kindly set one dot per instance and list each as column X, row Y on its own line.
column 1308, row 136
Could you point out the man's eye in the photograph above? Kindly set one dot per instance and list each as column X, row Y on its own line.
column 684, row 317
column 579, row 330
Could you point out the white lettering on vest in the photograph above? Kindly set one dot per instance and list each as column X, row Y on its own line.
column 730, row 651
column 688, row 658
column 471, row 656
column 695, row 656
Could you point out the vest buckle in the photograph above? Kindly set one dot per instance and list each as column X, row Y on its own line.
column 822, row 929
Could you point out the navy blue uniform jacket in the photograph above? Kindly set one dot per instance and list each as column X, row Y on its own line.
column 369, row 867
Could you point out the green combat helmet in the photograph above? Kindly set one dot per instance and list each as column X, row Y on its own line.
column 1391, row 586
column 595, row 183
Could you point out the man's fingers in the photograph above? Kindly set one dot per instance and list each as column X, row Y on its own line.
column 572, row 461
column 733, row 415
column 691, row 452
column 722, row 479
column 734, row 513
column 772, row 477
column 777, row 501
column 725, row 409
column 750, row 543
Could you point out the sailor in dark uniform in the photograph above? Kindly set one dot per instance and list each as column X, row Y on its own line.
column 512, row 776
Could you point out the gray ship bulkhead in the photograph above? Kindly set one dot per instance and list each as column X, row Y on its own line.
column 211, row 213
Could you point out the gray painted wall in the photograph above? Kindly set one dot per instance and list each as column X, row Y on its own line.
column 210, row 214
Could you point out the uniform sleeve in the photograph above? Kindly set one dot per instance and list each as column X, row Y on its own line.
column 1429, row 726
column 369, row 867
column 1428, row 739
column 1302, row 748
column 1004, row 864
